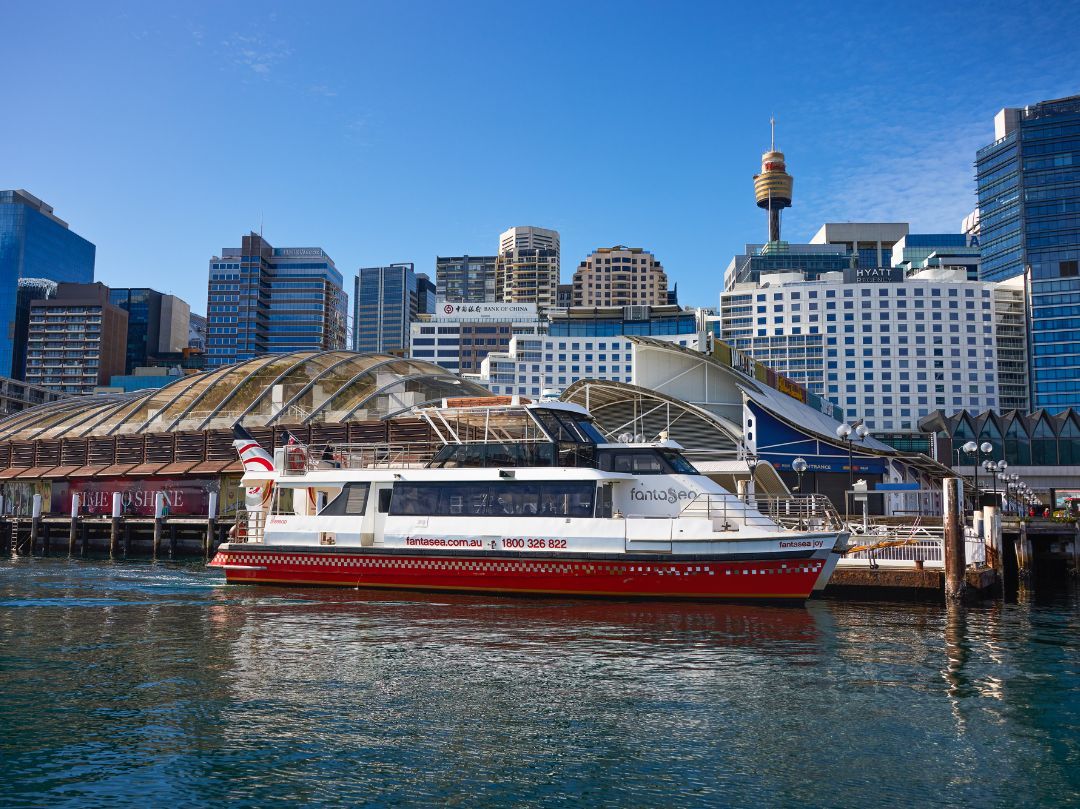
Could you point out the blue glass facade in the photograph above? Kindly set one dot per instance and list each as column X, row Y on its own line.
column 34, row 243
column 267, row 300
column 813, row 260
column 386, row 301
column 144, row 322
column 612, row 326
column 1029, row 207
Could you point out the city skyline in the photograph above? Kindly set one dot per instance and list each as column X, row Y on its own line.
column 176, row 109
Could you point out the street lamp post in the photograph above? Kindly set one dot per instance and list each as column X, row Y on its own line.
column 971, row 448
column 844, row 433
column 799, row 465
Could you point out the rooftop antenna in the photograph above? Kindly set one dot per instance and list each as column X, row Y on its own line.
column 260, row 224
column 772, row 134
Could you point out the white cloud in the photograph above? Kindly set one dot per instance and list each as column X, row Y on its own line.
column 257, row 53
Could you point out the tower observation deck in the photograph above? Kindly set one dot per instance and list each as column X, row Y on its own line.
column 773, row 186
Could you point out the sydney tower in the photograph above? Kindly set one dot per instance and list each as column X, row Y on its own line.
column 773, row 186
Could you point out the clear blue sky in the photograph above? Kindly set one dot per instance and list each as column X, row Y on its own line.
column 396, row 131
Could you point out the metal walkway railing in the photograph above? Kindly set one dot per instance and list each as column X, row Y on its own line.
column 807, row 512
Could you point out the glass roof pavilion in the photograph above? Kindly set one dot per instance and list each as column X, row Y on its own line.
column 305, row 387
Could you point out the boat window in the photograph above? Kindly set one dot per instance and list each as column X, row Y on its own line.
column 679, row 465
column 646, row 462
column 384, row 500
column 560, row 428
column 494, row 499
column 637, row 462
column 352, row 501
column 590, row 431
column 283, row 501
column 512, row 454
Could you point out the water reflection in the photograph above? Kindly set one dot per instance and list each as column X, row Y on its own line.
column 126, row 683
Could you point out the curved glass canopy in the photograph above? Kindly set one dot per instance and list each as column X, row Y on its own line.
column 306, row 387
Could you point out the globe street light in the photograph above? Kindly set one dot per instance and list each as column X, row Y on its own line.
column 844, row 433
column 971, row 448
column 799, row 465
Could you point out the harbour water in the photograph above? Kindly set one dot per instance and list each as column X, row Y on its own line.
column 133, row 684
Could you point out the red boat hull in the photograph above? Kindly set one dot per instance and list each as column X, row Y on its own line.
column 653, row 577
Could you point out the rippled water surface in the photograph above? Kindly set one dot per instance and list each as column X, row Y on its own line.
column 138, row 684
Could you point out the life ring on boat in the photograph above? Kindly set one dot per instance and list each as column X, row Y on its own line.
column 296, row 458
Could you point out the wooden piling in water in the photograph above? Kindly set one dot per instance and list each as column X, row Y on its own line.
column 1023, row 554
column 73, row 527
column 114, row 525
column 127, row 539
column 952, row 520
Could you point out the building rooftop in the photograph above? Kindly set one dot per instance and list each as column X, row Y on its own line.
column 301, row 388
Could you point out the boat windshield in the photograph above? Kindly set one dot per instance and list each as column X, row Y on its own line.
column 564, row 426
column 646, row 461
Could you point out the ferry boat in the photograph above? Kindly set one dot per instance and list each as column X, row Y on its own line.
column 519, row 497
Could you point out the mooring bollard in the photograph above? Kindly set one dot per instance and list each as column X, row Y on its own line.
column 159, row 515
column 73, row 529
column 211, row 525
column 114, row 525
column 952, row 520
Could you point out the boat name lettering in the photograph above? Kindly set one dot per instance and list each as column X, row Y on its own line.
column 669, row 495
column 801, row 543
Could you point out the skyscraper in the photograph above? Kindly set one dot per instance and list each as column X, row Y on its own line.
column 466, row 279
column 271, row 300
column 527, row 270
column 620, row 276
column 77, row 339
column 1029, row 225
column 157, row 324
column 386, row 301
column 34, row 243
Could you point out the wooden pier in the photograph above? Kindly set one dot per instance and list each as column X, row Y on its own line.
column 116, row 537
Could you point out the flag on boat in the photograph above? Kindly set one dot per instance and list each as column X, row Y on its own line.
column 252, row 455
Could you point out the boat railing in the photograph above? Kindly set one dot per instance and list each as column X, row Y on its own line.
column 803, row 512
column 300, row 459
column 250, row 527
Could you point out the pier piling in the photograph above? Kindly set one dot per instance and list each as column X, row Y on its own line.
column 35, row 524
column 995, row 547
column 159, row 513
column 952, row 519
column 211, row 525
column 114, row 525
column 73, row 528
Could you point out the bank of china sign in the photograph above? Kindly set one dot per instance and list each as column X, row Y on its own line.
column 448, row 310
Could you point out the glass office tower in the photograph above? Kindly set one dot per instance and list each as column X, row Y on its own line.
column 144, row 321
column 386, row 302
column 272, row 300
column 34, row 243
column 1029, row 212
